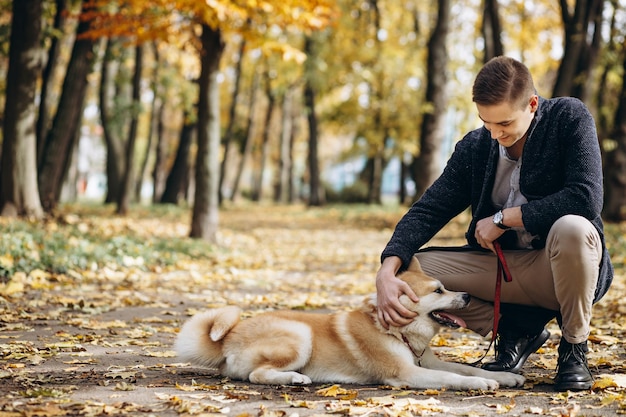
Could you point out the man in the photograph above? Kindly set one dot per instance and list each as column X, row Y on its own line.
column 532, row 176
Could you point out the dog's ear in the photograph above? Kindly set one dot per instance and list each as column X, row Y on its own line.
column 415, row 265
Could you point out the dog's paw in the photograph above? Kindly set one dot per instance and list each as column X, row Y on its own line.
column 479, row 383
column 300, row 379
column 509, row 379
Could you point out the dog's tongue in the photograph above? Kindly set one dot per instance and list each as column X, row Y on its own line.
column 454, row 319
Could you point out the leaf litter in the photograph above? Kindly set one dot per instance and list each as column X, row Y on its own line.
column 90, row 305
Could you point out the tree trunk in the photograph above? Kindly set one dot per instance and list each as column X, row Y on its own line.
column 316, row 191
column 155, row 113
column 491, row 29
column 232, row 111
column 112, row 126
column 602, row 118
column 291, row 187
column 615, row 165
column 257, row 187
column 576, row 40
column 377, row 161
column 18, row 171
column 376, row 177
column 178, row 178
column 160, row 157
column 45, row 100
column 60, row 140
column 248, row 139
column 205, row 215
column 123, row 201
column 585, row 80
column 427, row 166
column 405, row 174
column 283, row 179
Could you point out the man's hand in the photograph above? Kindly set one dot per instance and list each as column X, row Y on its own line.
column 487, row 232
column 389, row 288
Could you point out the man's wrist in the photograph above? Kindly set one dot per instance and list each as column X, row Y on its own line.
column 498, row 220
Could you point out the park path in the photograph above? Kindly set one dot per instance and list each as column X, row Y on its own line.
column 98, row 342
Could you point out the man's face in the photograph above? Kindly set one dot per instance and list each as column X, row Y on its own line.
column 508, row 123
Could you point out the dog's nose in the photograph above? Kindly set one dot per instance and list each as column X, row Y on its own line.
column 466, row 298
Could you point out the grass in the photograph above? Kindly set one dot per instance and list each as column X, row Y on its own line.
column 88, row 236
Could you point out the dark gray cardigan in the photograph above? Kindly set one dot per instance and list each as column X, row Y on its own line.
column 561, row 174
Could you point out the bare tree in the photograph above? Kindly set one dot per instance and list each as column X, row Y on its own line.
column 65, row 126
column 112, row 119
column 248, row 137
column 491, row 29
column 178, row 177
column 156, row 114
column 316, row 191
column 283, row 179
column 228, row 133
column 427, row 167
column 257, row 186
column 18, row 170
column 205, row 214
column 615, row 166
column 575, row 67
column 123, row 200
column 45, row 98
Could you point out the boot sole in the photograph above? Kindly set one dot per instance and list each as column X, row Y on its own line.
column 573, row 386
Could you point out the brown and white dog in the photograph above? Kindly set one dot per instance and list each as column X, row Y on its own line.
column 294, row 347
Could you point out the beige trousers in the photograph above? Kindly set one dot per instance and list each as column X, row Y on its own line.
column 560, row 277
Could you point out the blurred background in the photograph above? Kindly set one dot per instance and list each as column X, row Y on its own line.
column 211, row 103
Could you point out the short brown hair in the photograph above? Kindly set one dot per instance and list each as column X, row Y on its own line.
column 503, row 79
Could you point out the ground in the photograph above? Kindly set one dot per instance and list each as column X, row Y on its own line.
column 98, row 341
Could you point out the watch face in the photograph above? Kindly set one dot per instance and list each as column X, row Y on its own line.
column 497, row 218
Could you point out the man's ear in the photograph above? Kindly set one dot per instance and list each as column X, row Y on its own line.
column 415, row 265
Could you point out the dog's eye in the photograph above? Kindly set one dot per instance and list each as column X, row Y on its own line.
column 439, row 291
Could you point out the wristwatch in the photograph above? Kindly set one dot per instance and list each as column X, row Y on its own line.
column 497, row 220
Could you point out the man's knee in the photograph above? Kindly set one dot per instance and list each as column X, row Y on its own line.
column 574, row 234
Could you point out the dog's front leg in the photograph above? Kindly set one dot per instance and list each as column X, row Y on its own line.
column 267, row 375
column 423, row 378
column 505, row 379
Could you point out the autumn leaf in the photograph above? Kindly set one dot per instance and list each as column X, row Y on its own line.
column 604, row 383
column 337, row 391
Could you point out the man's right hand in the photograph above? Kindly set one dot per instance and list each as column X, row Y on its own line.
column 389, row 288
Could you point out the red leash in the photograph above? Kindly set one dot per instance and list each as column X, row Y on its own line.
column 503, row 272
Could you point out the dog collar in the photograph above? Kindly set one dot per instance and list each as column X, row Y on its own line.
column 418, row 357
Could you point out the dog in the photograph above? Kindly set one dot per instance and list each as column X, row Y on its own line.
column 351, row 347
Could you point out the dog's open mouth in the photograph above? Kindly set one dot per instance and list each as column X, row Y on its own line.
column 447, row 319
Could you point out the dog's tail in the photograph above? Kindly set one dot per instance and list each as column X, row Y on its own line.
column 200, row 338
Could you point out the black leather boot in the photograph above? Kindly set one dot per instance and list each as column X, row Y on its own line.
column 513, row 348
column 573, row 372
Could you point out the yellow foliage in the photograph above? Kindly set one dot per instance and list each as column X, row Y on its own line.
column 160, row 18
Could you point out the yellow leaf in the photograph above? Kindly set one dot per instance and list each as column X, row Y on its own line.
column 11, row 288
column 331, row 391
column 185, row 387
column 604, row 383
column 6, row 261
column 337, row 391
column 166, row 354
